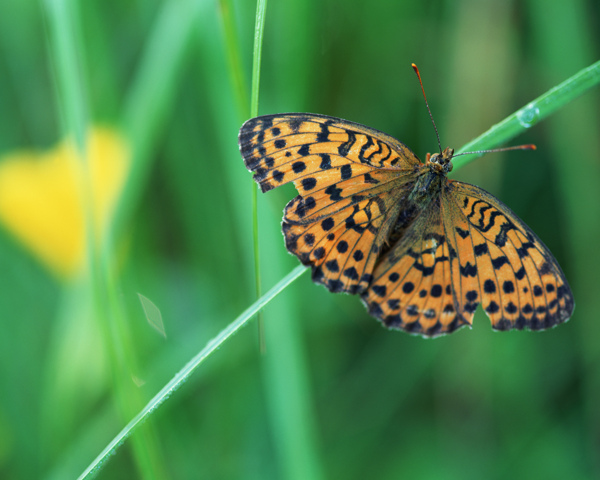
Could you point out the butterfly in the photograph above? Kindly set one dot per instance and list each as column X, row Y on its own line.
column 421, row 250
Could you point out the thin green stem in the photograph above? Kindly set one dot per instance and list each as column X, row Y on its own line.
column 261, row 8
column 259, row 28
column 181, row 377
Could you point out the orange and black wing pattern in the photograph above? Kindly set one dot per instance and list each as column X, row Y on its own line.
column 466, row 249
column 413, row 288
column 351, row 181
column 422, row 251
column 502, row 264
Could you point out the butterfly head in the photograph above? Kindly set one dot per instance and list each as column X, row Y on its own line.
column 441, row 163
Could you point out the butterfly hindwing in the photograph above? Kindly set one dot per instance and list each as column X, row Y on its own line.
column 466, row 249
column 342, row 247
column 412, row 285
column 502, row 264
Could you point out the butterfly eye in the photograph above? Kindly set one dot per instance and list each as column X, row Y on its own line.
column 435, row 158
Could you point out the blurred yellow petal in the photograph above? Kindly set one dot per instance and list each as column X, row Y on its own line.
column 42, row 196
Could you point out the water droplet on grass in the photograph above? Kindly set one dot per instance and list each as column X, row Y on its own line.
column 528, row 115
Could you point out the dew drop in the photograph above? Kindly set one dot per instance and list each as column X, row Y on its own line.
column 528, row 115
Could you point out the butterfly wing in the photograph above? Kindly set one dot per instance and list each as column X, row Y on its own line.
column 342, row 247
column 294, row 146
column 468, row 248
column 412, row 288
column 351, row 180
column 502, row 264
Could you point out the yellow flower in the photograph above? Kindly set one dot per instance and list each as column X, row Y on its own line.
column 42, row 196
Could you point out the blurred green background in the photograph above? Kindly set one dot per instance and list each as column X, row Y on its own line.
column 335, row 395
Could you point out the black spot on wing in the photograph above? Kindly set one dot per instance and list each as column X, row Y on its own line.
column 342, row 246
column 346, row 171
column 489, row 286
column 351, row 273
column 323, row 135
column 332, row 266
column 461, row 232
column 379, row 290
column 499, row 261
column 325, row 161
column 304, row 150
column 468, row 270
column 298, row 167
column 334, row 193
column 309, row 183
column 481, row 249
column 369, row 179
column 327, row 224
column 436, row 290
column 508, row 286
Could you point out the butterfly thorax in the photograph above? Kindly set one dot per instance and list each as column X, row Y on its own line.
column 431, row 178
column 427, row 188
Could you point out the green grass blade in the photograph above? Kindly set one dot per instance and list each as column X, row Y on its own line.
column 573, row 139
column 261, row 8
column 181, row 377
column 232, row 47
column 288, row 381
column 70, row 89
column 532, row 113
column 151, row 95
column 71, row 97
column 106, row 303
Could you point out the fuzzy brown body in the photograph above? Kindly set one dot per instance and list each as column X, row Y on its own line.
column 430, row 181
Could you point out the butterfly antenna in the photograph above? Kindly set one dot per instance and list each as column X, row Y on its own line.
column 504, row 149
column 428, row 109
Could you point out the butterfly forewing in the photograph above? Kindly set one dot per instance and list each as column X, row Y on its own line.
column 294, row 146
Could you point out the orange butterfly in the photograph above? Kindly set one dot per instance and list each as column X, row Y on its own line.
column 423, row 251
